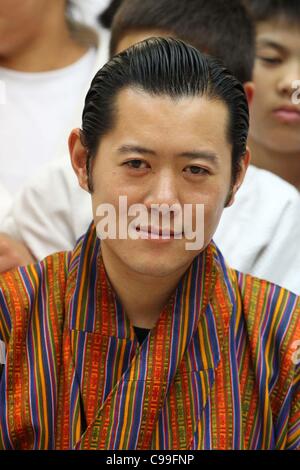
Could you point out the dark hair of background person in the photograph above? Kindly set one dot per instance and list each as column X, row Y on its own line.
column 164, row 66
column 221, row 28
column 265, row 10
column 106, row 17
column 81, row 33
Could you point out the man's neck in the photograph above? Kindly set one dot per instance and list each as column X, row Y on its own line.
column 285, row 165
column 143, row 297
column 51, row 48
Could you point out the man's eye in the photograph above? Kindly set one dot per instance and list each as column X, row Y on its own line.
column 196, row 170
column 136, row 164
column 271, row 60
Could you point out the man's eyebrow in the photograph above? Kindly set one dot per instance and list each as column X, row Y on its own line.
column 128, row 149
column 271, row 43
column 207, row 155
column 201, row 154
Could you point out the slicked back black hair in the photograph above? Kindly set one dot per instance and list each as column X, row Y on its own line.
column 221, row 28
column 164, row 66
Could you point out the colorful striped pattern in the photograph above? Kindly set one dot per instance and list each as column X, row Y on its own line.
column 217, row 372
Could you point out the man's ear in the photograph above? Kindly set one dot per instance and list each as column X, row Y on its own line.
column 245, row 162
column 78, row 154
column 249, row 88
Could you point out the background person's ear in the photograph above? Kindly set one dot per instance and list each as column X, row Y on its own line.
column 245, row 162
column 78, row 154
column 249, row 88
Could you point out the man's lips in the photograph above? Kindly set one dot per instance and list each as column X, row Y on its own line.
column 287, row 114
column 158, row 231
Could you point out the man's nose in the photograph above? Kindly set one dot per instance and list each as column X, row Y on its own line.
column 290, row 75
column 163, row 190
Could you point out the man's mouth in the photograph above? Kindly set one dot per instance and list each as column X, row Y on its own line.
column 288, row 114
column 159, row 232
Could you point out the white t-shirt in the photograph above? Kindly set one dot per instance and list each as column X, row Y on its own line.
column 259, row 234
column 37, row 116
column 87, row 11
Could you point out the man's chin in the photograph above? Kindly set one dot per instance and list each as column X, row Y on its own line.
column 153, row 272
column 157, row 267
column 153, row 261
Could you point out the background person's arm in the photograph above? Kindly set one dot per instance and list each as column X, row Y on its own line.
column 13, row 253
column 51, row 212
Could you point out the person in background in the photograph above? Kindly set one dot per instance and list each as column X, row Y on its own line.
column 275, row 110
column 138, row 342
column 46, row 59
column 258, row 234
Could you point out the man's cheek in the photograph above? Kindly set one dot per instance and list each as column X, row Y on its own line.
column 213, row 214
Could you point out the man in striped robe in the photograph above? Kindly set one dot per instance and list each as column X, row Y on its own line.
column 139, row 342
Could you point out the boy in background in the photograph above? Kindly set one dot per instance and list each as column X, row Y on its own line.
column 275, row 110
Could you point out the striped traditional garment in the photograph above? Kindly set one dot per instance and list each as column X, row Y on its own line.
column 218, row 371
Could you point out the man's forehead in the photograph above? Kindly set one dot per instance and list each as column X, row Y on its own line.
column 131, row 103
column 140, row 96
column 160, row 123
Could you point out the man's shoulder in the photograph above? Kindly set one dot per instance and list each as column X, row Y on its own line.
column 268, row 307
column 269, row 320
column 22, row 285
column 33, row 295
